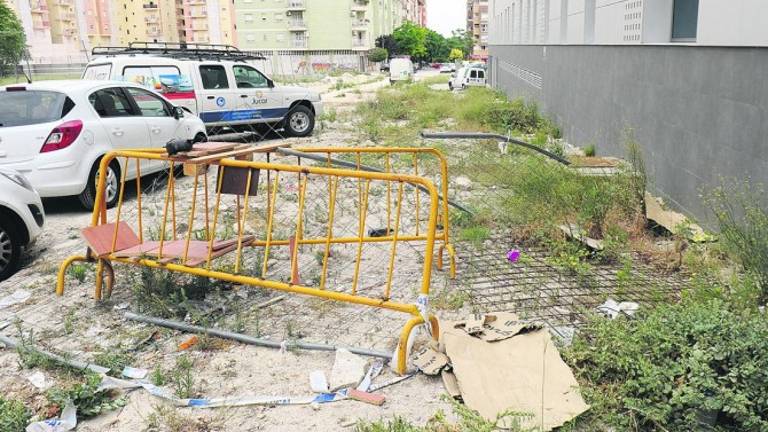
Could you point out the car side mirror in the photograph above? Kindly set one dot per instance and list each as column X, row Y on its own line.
column 270, row 83
column 178, row 112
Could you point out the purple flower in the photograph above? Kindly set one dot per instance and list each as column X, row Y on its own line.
column 513, row 255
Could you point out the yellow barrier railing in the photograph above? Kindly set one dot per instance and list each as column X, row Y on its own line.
column 115, row 242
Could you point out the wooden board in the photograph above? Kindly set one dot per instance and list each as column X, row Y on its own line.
column 211, row 147
column 245, row 149
column 99, row 238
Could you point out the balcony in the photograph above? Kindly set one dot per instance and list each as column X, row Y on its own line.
column 297, row 25
column 150, row 5
column 359, row 24
column 151, row 19
column 359, row 43
column 299, row 43
column 296, row 5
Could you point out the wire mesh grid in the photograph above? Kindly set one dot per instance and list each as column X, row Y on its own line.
column 534, row 288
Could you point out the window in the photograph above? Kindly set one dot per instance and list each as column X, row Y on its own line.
column 248, row 77
column 149, row 105
column 153, row 77
column 30, row 107
column 685, row 20
column 98, row 72
column 473, row 74
column 214, row 77
column 481, row 74
column 110, row 102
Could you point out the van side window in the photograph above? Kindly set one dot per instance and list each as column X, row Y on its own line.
column 214, row 77
column 473, row 74
column 248, row 77
column 111, row 102
column 481, row 74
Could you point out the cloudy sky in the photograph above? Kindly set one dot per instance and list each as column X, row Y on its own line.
column 446, row 15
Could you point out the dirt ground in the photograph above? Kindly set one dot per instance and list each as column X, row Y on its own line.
column 77, row 325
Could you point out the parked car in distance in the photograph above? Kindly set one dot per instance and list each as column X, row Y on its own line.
column 469, row 76
column 214, row 82
column 21, row 219
column 447, row 68
column 55, row 133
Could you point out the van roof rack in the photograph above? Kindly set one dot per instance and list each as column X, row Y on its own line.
column 181, row 50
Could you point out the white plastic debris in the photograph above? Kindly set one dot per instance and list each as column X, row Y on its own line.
column 612, row 309
column 135, row 373
column 38, row 380
column 372, row 373
column 18, row 296
column 318, row 382
column 67, row 421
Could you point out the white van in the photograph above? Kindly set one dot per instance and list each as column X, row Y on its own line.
column 215, row 82
column 400, row 69
column 469, row 76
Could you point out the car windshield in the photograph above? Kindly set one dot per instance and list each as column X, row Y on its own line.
column 30, row 107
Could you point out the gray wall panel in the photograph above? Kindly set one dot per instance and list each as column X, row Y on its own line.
column 698, row 112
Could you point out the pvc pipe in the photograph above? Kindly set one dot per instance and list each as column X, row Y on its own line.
column 76, row 364
column 482, row 135
column 176, row 325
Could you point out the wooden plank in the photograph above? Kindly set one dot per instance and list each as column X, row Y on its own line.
column 237, row 152
column 211, row 147
column 99, row 238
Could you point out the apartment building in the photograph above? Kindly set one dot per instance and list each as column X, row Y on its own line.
column 685, row 76
column 477, row 25
column 207, row 21
column 320, row 24
column 53, row 29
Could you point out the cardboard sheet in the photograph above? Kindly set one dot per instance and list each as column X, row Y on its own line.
column 523, row 373
column 495, row 327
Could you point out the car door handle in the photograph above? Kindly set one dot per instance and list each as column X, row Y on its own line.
column 117, row 132
column 211, row 97
column 156, row 130
column 243, row 96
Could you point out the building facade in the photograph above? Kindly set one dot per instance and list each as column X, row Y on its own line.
column 320, row 24
column 684, row 77
column 477, row 25
column 630, row 22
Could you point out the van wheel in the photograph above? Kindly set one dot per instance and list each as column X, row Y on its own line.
column 300, row 121
column 88, row 196
column 10, row 248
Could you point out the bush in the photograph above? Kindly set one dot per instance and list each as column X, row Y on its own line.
column 590, row 150
column 696, row 365
column 377, row 55
column 14, row 415
column 743, row 223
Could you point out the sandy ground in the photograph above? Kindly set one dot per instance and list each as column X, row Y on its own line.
column 233, row 369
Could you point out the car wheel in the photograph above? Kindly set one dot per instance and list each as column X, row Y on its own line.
column 88, row 196
column 10, row 248
column 300, row 121
column 199, row 138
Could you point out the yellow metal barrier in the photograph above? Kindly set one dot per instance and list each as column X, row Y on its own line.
column 115, row 242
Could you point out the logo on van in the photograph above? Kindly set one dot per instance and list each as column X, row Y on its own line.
column 258, row 98
column 220, row 101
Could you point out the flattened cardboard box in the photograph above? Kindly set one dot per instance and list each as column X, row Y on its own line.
column 523, row 373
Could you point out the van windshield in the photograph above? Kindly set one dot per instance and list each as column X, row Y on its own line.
column 30, row 107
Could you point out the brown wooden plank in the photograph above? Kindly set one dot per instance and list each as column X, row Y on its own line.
column 99, row 238
column 211, row 147
column 237, row 152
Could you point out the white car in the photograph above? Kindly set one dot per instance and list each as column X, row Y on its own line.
column 21, row 219
column 215, row 82
column 55, row 133
column 447, row 68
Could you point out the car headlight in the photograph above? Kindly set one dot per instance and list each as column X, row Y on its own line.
column 17, row 178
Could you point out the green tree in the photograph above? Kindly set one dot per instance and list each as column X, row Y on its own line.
column 462, row 40
column 12, row 39
column 456, row 54
column 437, row 46
column 377, row 55
column 411, row 39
